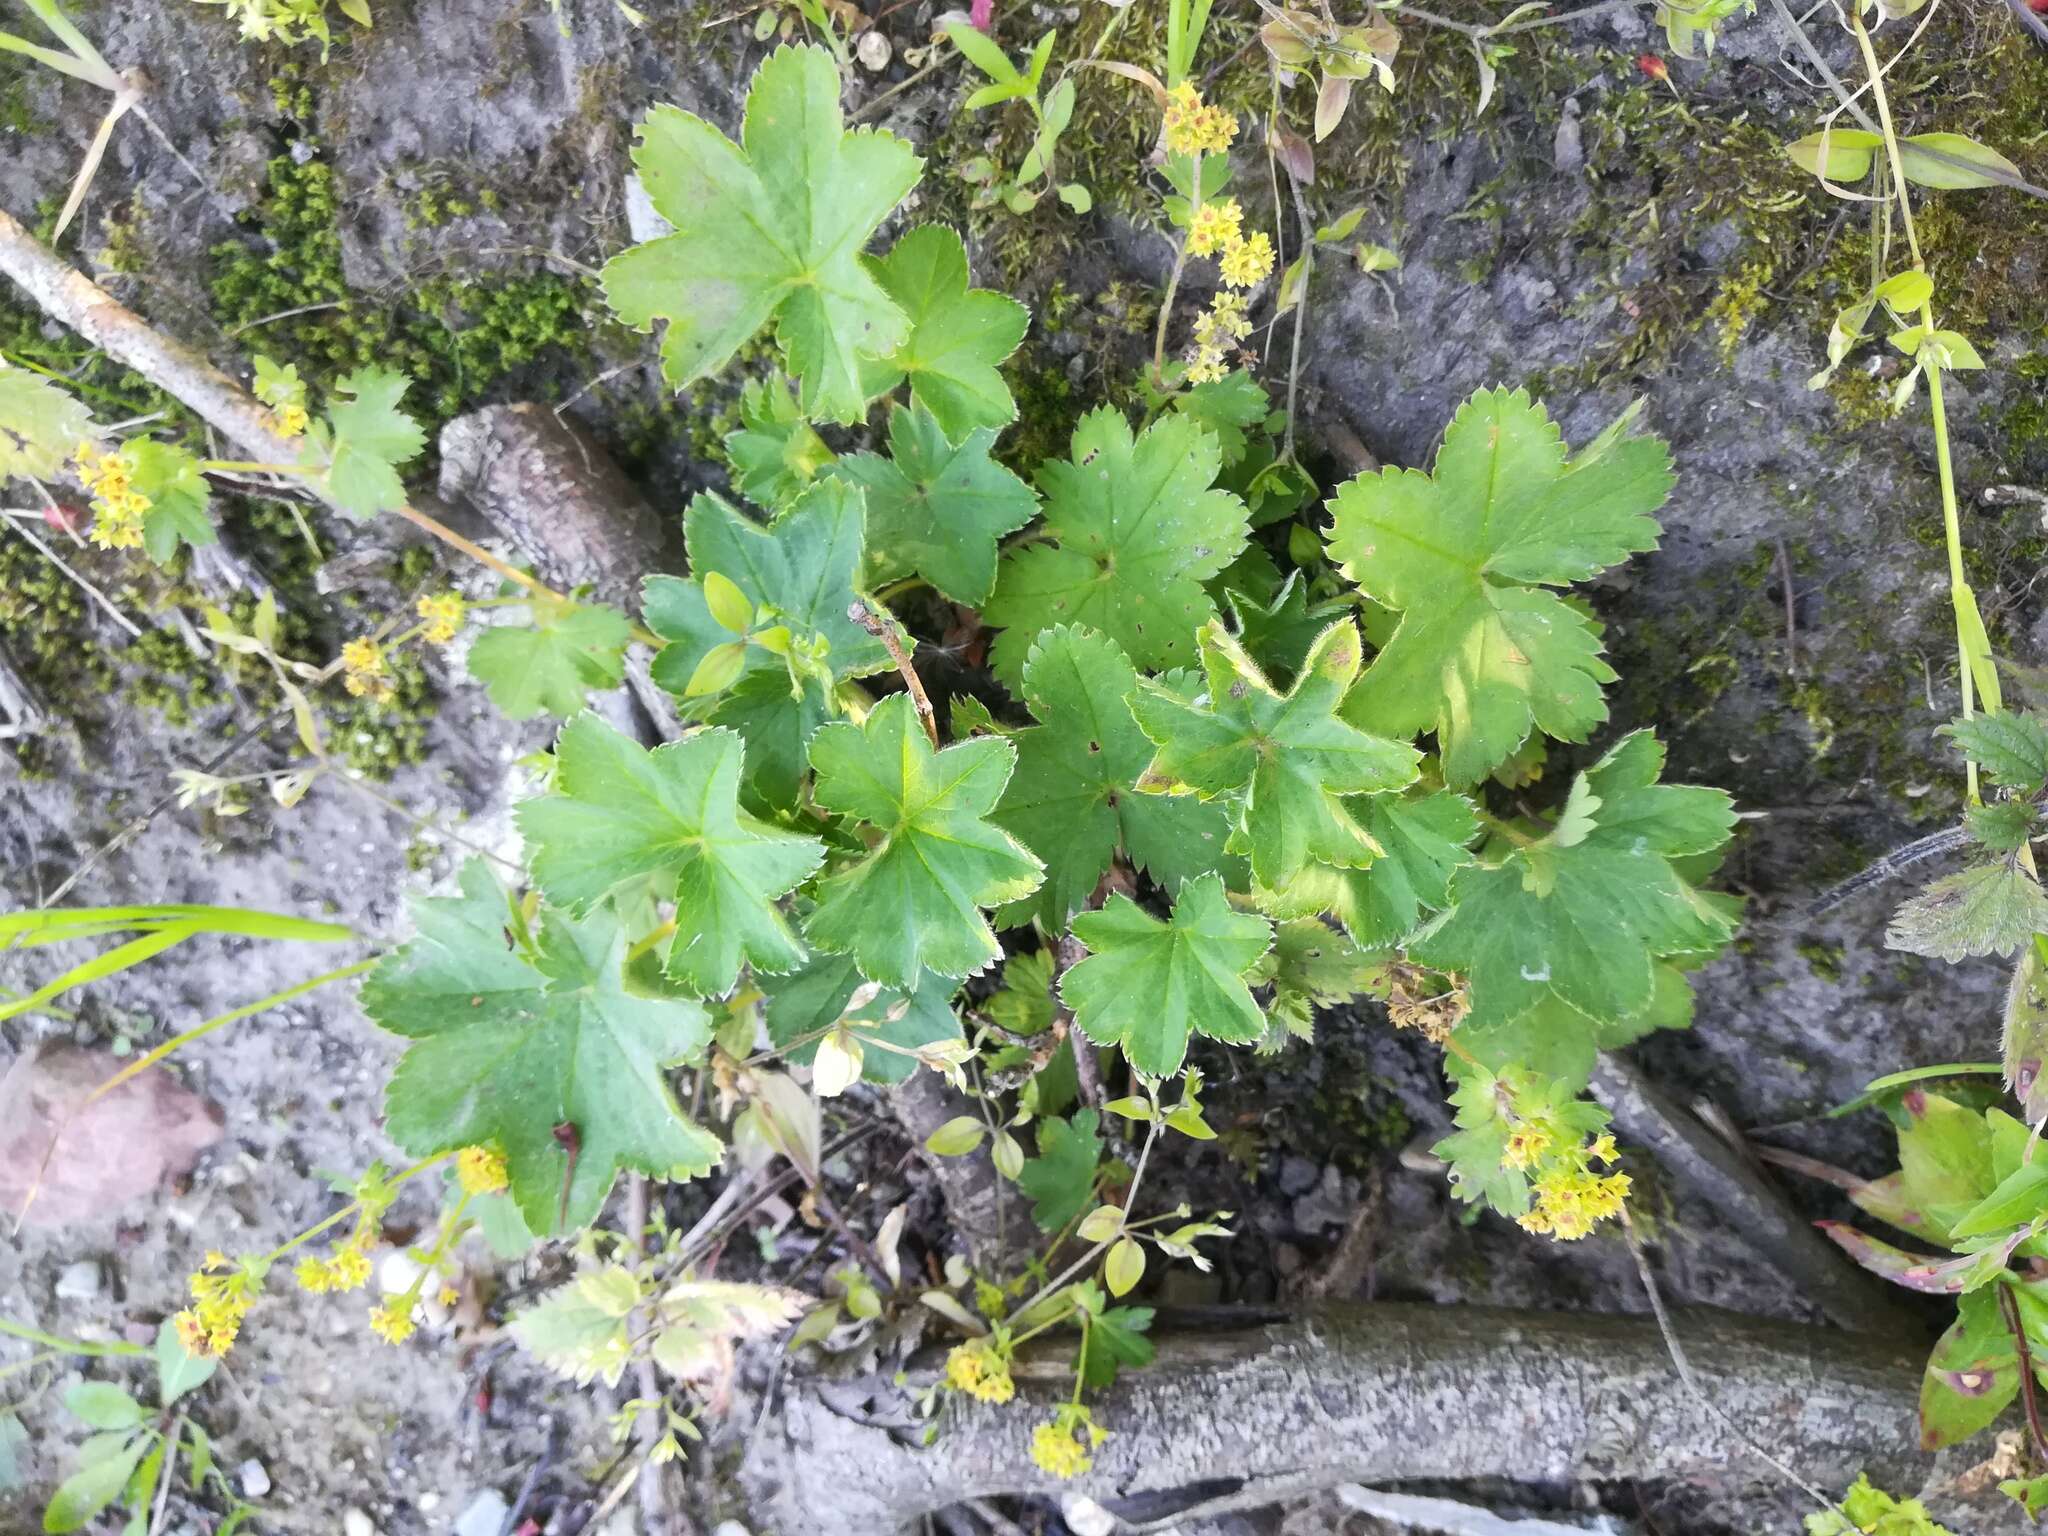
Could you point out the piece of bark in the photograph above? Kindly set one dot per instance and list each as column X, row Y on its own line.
column 556, row 496
column 551, row 490
column 989, row 1213
column 110, row 1152
column 1381, row 1392
column 1750, row 1203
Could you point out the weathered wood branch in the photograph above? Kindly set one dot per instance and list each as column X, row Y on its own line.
column 1381, row 1393
column 75, row 300
column 1750, row 1203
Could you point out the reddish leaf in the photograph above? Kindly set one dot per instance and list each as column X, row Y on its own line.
column 108, row 1152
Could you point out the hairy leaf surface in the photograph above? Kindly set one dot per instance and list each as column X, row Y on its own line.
column 1136, row 530
column 624, row 814
column 511, row 1041
column 771, row 231
column 1147, row 985
column 1288, row 759
column 1483, row 654
column 914, row 901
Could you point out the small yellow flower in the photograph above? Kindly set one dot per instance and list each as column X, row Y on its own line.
column 1056, row 1451
column 1603, row 1148
column 1248, row 261
column 347, row 1268
column 191, row 1333
column 392, row 1322
column 362, row 662
column 448, row 1296
column 442, row 614
column 117, row 521
column 1183, row 109
column 215, row 1259
column 976, row 1369
column 1214, row 227
column 481, row 1170
column 1206, row 368
column 219, row 1303
column 1527, row 1142
column 1213, row 130
column 1223, row 322
column 314, row 1274
column 289, row 420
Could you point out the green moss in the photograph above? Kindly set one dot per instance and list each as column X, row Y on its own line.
column 456, row 337
column 1822, row 958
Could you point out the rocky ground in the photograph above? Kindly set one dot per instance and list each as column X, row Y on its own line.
column 442, row 187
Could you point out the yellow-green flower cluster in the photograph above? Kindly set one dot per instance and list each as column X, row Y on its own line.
column 1217, row 329
column 1193, row 128
column 1244, row 261
column 393, row 1322
column 1214, row 227
column 345, row 1269
column 117, row 506
column 363, row 670
column 223, row 1290
column 440, row 616
column 481, row 1170
column 1571, row 1196
column 978, row 1369
column 1064, row 1447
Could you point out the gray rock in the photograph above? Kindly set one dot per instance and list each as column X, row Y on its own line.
column 485, row 1515
column 81, row 1281
column 1297, row 1175
column 253, row 1479
column 1329, row 1204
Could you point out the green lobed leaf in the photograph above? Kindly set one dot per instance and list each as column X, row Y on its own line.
column 1424, row 839
column 623, row 814
column 1585, row 921
column 511, row 1042
column 957, row 338
column 1277, row 634
column 1114, row 1340
column 774, row 454
column 178, row 496
column 914, row 900
column 1073, row 798
column 771, row 231
column 552, row 666
column 1136, row 528
column 802, row 570
column 1483, row 654
column 579, row 1329
column 1147, row 985
column 1061, row 1179
column 1988, row 909
column 364, row 440
column 1287, row 760
column 937, row 508
column 40, row 426
column 2013, row 748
